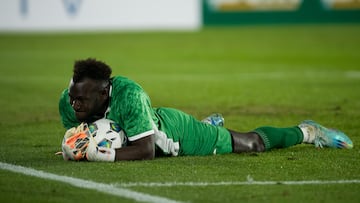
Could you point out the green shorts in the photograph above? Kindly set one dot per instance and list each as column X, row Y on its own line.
column 193, row 136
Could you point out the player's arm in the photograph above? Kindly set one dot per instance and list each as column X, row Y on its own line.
column 79, row 144
column 141, row 149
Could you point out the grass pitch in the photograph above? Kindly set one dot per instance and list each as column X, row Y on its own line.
column 253, row 75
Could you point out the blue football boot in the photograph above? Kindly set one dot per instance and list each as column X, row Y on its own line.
column 325, row 137
column 215, row 119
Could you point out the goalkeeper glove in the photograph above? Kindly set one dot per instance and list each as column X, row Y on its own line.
column 75, row 143
column 96, row 153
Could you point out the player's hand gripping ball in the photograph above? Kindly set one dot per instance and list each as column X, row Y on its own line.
column 75, row 143
column 94, row 141
column 106, row 136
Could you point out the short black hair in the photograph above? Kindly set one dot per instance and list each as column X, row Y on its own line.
column 91, row 68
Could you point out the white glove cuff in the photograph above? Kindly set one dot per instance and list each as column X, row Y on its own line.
column 101, row 154
column 106, row 154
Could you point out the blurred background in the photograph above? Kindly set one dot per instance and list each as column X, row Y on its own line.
column 75, row 15
column 200, row 48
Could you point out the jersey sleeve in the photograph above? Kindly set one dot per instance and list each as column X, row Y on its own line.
column 135, row 113
column 67, row 113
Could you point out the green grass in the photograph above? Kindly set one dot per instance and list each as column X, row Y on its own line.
column 254, row 75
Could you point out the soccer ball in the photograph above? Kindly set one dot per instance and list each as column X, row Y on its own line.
column 107, row 133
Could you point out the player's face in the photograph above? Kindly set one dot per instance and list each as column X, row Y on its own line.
column 88, row 100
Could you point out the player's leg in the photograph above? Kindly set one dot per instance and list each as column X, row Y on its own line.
column 246, row 142
column 274, row 137
column 267, row 138
column 262, row 139
column 194, row 137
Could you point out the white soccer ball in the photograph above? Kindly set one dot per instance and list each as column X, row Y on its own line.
column 107, row 133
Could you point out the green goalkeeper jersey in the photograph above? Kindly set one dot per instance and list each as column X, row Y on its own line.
column 176, row 133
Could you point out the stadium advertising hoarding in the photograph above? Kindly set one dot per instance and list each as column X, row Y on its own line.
column 53, row 15
column 82, row 15
column 217, row 12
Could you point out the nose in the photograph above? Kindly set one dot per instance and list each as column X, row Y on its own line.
column 76, row 105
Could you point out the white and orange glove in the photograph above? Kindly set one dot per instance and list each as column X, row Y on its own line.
column 78, row 144
column 75, row 143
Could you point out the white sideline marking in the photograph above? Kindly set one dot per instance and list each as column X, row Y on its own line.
column 196, row 184
column 101, row 187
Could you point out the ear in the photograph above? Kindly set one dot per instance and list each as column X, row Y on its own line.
column 105, row 92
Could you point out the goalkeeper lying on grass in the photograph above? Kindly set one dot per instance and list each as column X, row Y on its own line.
column 93, row 94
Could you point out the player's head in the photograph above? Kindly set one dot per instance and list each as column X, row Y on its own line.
column 89, row 89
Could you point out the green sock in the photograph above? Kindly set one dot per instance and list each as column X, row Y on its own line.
column 280, row 137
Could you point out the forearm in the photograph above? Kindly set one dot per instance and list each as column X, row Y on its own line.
column 133, row 153
column 143, row 149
